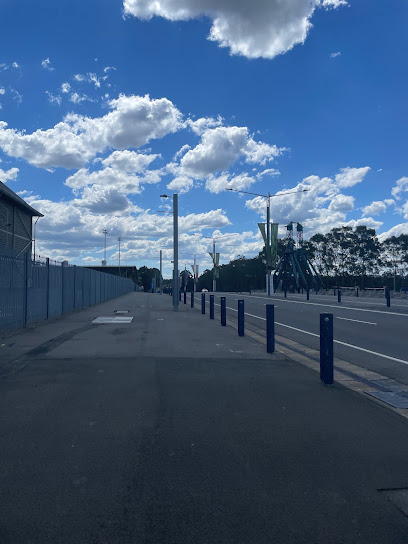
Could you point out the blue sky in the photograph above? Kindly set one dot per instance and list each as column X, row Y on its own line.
column 106, row 104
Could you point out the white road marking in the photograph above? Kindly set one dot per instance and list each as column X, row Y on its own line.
column 356, row 320
column 331, row 306
column 335, row 341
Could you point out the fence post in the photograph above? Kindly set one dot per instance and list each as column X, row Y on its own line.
column 326, row 348
column 48, row 287
column 241, row 317
column 339, row 295
column 75, row 287
column 192, row 299
column 211, row 306
column 270, row 328
column 223, row 311
column 203, row 303
column 25, row 289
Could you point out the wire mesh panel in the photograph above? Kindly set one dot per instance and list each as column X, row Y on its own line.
column 34, row 290
column 37, row 274
column 55, row 290
column 12, row 290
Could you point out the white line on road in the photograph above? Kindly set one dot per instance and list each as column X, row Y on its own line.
column 356, row 320
column 335, row 341
column 331, row 306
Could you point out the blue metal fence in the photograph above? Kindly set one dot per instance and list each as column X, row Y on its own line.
column 32, row 291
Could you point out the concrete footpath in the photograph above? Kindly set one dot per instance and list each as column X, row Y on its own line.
column 172, row 429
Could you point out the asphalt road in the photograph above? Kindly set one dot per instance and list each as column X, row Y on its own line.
column 366, row 332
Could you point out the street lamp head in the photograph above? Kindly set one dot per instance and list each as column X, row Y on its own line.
column 164, row 196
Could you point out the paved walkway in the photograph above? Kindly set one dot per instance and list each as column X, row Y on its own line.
column 172, row 430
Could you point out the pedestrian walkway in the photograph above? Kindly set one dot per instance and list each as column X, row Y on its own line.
column 172, row 429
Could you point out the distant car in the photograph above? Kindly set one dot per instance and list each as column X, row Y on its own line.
column 204, row 290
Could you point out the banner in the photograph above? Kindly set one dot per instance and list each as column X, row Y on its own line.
column 273, row 240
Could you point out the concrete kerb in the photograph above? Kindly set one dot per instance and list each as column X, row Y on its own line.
column 309, row 358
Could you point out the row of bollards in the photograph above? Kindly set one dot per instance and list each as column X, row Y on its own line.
column 326, row 331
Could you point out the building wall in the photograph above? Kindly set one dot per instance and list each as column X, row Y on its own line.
column 15, row 227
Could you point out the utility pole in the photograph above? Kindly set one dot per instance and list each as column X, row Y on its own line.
column 119, row 240
column 268, row 244
column 214, row 269
column 176, row 285
column 105, row 232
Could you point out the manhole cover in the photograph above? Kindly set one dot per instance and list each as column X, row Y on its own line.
column 116, row 320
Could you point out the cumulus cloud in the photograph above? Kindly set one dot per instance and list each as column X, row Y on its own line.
column 396, row 230
column 335, row 54
column 349, row 177
column 401, row 186
column 199, row 126
column 181, row 184
column 9, row 175
column 226, row 181
column 377, row 207
column 54, row 99
column 65, row 87
column 129, row 161
column 221, row 147
column 132, row 122
column 368, row 222
column 261, row 28
column 2, row 90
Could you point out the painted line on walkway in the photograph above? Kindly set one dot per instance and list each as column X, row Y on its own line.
column 356, row 320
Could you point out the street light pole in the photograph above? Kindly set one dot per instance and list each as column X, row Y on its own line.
column 176, row 285
column 161, row 270
column 105, row 232
column 119, row 240
column 268, row 244
column 214, row 269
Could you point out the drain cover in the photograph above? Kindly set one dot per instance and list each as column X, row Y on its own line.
column 391, row 398
column 105, row 320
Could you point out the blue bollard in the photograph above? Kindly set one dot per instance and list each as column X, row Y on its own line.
column 203, row 303
column 285, row 293
column 223, row 311
column 388, row 297
column 270, row 328
column 241, row 314
column 307, row 294
column 334, row 292
column 326, row 348
column 211, row 306
column 302, row 290
column 192, row 299
column 185, row 297
column 356, row 291
column 179, row 296
column 339, row 295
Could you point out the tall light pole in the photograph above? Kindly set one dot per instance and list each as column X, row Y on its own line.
column 176, row 279
column 268, row 223
column 105, row 232
column 161, row 271
column 119, row 240
column 214, row 257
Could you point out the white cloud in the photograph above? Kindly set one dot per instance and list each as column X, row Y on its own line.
column 349, row 177
column 76, row 98
column 65, row 87
column 368, row 222
column 132, row 122
column 18, row 97
column 180, row 184
column 336, row 54
column 262, row 28
column 8, row 175
column 15, row 65
column 341, row 203
column 107, row 68
column 54, row 99
column 396, row 230
column 225, row 181
column 268, row 172
column 377, row 207
column 46, row 64
column 221, row 147
column 129, row 161
column 2, row 90
column 204, row 123
column 400, row 187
